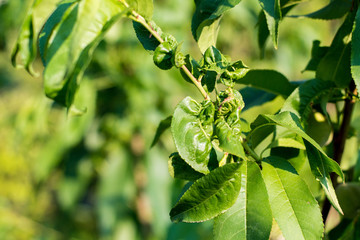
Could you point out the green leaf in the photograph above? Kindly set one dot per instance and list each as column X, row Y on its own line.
column 346, row 230
column 147, row 40
column 335, row 9
column 250, row 217
column 193, row 66
column 335, row 65
column 317, row 53
column 355, row 52
column 293, row 206
column 235, row 71
column 83, row 26
column 164, row 124
column 192, row 128
column 228, row 131
column 349, row 195
column 163, row 55
column 209, row 196
column 144, row 7
column 25, row 49
column 178, row 168
column 273, row 16
column 205, row 21
column 268, row 80
column 303, row 97
column 321, row 166
column 50, row 26
column 255, row 97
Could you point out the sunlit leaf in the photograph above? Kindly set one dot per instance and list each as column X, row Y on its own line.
column 355, row 52
column 293, row 206
column 178, row 168
column 209, row 196
column 82, row 28
column 273, row 16
column 250, row 217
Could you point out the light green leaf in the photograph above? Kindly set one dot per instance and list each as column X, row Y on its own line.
column 293, row 206
column 178, row 168
column 302, row 98
column 268, row 80
column 25, row 49
column 250, row 217
column 192, row 128
column 355, row 51
column 144, row 7
column 164, row 124
column 205, row 21
column 335, row 65
column 273, row 16
column 82, row 27
column 335, row 9
column 209, row 196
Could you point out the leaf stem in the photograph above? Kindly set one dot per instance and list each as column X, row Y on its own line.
column 251, row 152
column 140, row 19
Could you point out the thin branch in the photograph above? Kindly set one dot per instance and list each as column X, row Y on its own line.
column 140, row 19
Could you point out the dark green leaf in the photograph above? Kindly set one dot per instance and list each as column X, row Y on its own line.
column 268, row 80
column 234, row 72
column 163, row 55
column 349, row 195
column 335, row 65
column 335, row 9
column 206, row 18
column 308, row 93
column 273, row 16
column 209, row 80
column 148, row 41
column 317, row 53
column 209, row 196
column 193, row 66
column 255, row 97
column 164, row 124
column 250, row 217
column 69, row 53
column 178, row 168
column 293, row 206
column 192, row 128
column 346, row 230
column 355, row 52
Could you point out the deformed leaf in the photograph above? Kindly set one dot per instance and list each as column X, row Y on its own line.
column 293, row 206
column 335, row 9
column 268, row 80
column 178, row 168
column 193, row 66
column 192, row 128
column 82, row 27
column 163, row 55
column 205, row 21
column 250, row 217
column 209, row 196
column 164, row 124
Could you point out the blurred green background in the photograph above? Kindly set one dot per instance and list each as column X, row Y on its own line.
column 95, row 176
